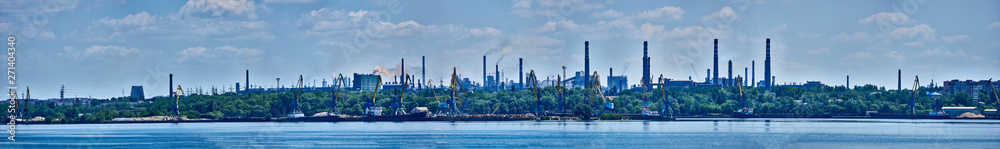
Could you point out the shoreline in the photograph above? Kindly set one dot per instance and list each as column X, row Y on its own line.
column 679, row 119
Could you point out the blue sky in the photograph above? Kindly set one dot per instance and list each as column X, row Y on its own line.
column 99, row 48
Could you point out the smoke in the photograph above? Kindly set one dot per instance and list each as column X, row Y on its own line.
column 388, row 72
column 625, row 68
column 502, row 48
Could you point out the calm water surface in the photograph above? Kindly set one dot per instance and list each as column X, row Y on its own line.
column 693, row 133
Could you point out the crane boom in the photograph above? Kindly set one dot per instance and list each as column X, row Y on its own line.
column 339, row 81
column 913, row 98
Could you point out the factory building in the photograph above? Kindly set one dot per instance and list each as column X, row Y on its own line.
column 137, row 93
column 365, row 82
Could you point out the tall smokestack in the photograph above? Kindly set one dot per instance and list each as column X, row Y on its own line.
column 730, row 80
column 744, row 75
column 753, row 69
column 768, row 79
column 715, row 66
column 899, row 80
column 848, row 81
column 496, row 77
column 520, row 72
column 484, row 72
column 611, row 72
column 402, row 71
column 248, row 81
column 645, row 66
column 171, row 87
column 423, row 69
column 586, row 64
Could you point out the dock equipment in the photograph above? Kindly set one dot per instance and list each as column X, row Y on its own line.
column 606, row 104
column 995, row 98
column 177, row 100
column 562, row 101
column 450, row 107
column 370, row 107
column 398, row 104
column 539, row 103
column 744, row 110
column 913, row 98
column 296, row 112
column 645, row 99
column 338, row 82
column 667, row 107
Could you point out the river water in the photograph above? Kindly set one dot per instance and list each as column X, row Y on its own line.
column 684, row 133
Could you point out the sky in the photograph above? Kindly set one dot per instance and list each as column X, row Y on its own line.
column 101, row 48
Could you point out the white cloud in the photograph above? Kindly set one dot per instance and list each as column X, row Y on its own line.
column 489, row 31
column 993, row 25
column 726, row 14
column 781, row 28
column 664, row 13
column 856, row 37
column 914, row 44
column 819, row 51
column 887, row 17
column 921, row 31
column 552, row 8
column 289, row 1
column 221, row 8
column 953, row 39
column 227, row 51
column 894, row 55
column 558, row 25
column 258, row 36
column 942, row 51
column 607, row 14
column 141, row 21
column 98, row 50
column 658, row 32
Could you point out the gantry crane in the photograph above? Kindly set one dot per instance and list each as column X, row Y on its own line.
column 451, row 105
column 562, row 101
column 370, row 107
column 913, row 98
column 645, row 99
column 995, row 98
column 596, row 89
column 744, row 110
column 339, row 82
column 398, row 104
column 539, row 104
column 667, row 107
column 177, row 108
column 296, row 112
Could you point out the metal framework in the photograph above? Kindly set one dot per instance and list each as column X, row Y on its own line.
column 398, row 104
column 539, row 104
column 913, row 98
column 667, row 104
column 596, row 89
column 339, row 82
column 370, row 107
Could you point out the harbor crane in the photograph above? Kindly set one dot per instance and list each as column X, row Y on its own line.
column 744, row 110
column 398, row 104
column 995, row 98
column 539, row 103
column 339, row 82
column 913, row 98
column 596, row 89
column 177, row 108
column 667, row 107
column 562, row 100
column 370, row 107
column 296, row 112
column 451, row 105
column 645, row 100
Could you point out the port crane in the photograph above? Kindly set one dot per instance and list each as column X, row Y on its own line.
column 370, row 107
column 398, row 104
column 667, row 104
column 296, row 112
column 339, row 82
column 177, row 108
column 562, row 101
column 995, row 98
column 645, row 100
column 450, row 106
column 539, row 104
column 913, row 98
column 596, row 89
column 744, row 110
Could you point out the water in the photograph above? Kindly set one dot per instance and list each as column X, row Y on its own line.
column 700, row 133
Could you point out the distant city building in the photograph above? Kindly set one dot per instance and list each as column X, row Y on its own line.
column 968, row 86
column 366, row 82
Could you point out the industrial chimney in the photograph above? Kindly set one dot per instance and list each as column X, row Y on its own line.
column 484, row 72
column 768, row 79
column 899, row 80
column 423, row 70
column 171, row 87
column 520, row 72
column 730, row 80
column 645, row 66
column 753, row 69
column 586, row 64
column 715, row 66
column 248, row 81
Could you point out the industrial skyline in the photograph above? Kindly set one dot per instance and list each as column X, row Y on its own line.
column 99, row 48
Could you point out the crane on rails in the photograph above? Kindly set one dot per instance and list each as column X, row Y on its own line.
column 454, row 99
column 995, row 98
column 606, row 103
column 339, row 82
column 667, row 107
column 539, row 103
column 745, row 110
column 913, row 98
column 645, row 100
column 562, row 100
column 177, row 107
column 296, row 112
column 398, row 104
column 370, row 107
